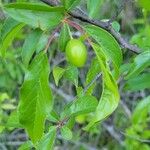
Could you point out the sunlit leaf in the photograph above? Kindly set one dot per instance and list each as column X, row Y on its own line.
column 47, row 141
column 35, row 15
column 35, row 97
column 93, row 7
column 8, row 33
column 141, row 111
column 141, row 39
column 53, row 117
column 71, row 74
column 70, row 4
column 26, row 146
column 42, row 43
column 71, row 122
column 139, row 82
column 66, row 133
column 116, row 26
column 80, row 91
column 13, row 120
column 110, row 95
column 141, row 61
column 92, row 72
column 145, row 4
column 29, row 46
column 64, row 37
column 82, row 105
column 109, row 45
column 34, row 7
column 58, row 73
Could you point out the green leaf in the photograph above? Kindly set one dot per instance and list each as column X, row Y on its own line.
column 141, row 61
column 64, row 37
column 35, row 97
column 70, row 123
column 141, row 39
column 13, row 120
column 79, row 91
column 58, row 73
column 138, row 83
column 29, row 46
column 66, row 133
column 47, row 141
column 116, row 26
column 71, row 74
column 53, row 116
column 42, row 43
column 35, row 15
column 141, row 111
column 34, row 7
column 110, row 95
column 8, row 33
column 70, row 4
column 93, row 71
column 93, row 7
column 82, row 105
column 145, row 4
column 109, row 45
column 7, row 26
column 26, row 146
column 124, row 68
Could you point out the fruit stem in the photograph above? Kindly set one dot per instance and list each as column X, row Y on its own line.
column 75, row 25
column 79, row 28
column 51, row 37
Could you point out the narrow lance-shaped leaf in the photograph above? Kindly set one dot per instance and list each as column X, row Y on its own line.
column 70, row 4
column 64, row 37
column 53, row 117
column 29, row 46
column 138, row 83
column 34, row 6
column 7, row 26
column 35, row 97
column 47, row 141
column 26, row 146
column 58, row 73
column 35, row 15
column 110, row 95
column 116, row 26
column 141, row 61
column 93, row 7
column 109, row 45
column 13, row 120
column 93, row 71
column 82, row 105
column 8, row 32
column 66, row 133
column 42, row 42
column 141, row 111
column 79, row 91
column 70, row 123
column 71, row 74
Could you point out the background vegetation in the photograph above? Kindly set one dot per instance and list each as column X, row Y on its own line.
column 129, row 126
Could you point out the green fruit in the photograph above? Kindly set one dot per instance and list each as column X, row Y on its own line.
column 76, row 52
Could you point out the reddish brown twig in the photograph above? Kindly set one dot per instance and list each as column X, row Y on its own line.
column 51, row 37
column 75, row 25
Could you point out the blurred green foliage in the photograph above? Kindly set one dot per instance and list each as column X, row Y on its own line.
column 134, row 129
